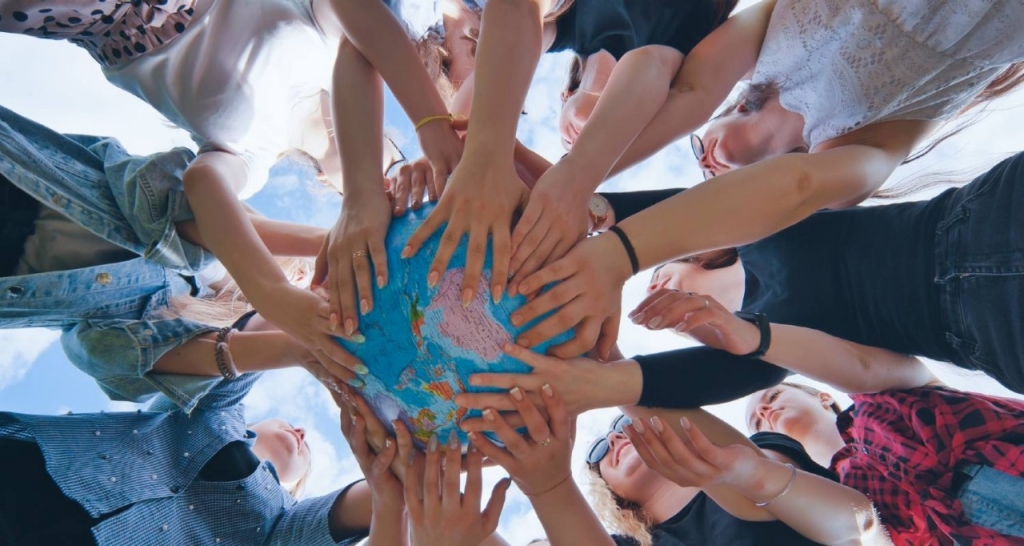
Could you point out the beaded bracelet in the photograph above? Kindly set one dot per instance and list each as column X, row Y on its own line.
column 792, row 478
column 222, row 354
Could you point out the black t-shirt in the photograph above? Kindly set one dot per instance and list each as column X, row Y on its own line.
column 618, row 26
column 703, row 522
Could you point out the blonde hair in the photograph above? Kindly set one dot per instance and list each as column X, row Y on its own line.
column 618, row 514
column 299, row 486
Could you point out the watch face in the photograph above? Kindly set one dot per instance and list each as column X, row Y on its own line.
column 598, row 206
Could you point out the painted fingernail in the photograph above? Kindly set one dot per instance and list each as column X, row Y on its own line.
column 358, row 338
column 517, row 319
column 523, row 342
column 632, row 313
column 361, row 369
column 685, row 422
column 453, row 440
column 681, row 327
column 432, row 444
column 380, row 281
column 508, row 347
column 637, row 318
column 547, row 390
column 433, row 278
column 467, row 298
column 638, row 425
column 471, row 435
column 407, row 251
column 350, row 326
column 517, row 393
column 387, row 442
column 496, row 292
column 364, row 306
column 394, row 423
column 356, row 382
column 659, row 427
column 472, row 448
column 334, row 322
column 655, row 322
column 489, row 414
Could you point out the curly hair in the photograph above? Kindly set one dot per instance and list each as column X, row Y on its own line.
column 618, row 514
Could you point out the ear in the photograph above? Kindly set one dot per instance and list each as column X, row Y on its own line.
column 826, row 400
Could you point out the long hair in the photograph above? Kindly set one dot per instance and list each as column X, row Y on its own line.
column 437, row 59
column 618, row 514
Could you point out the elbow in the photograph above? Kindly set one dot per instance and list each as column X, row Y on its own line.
column 653, row 63
column 869, row 529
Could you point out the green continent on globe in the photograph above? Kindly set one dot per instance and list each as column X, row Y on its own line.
column 422, row 345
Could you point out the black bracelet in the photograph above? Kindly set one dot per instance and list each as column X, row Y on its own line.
column 633, row 262
column 221, row 355
column 762, row 323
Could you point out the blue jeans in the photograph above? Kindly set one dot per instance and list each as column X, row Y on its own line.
column 994, row 500
column 980, row 272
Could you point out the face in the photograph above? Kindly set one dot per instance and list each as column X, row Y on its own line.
column 578, row 105
column 738, row 138
column 793, row 412
column 461, row 35
column 284, row 445
column 673, row 275
column 625, row 472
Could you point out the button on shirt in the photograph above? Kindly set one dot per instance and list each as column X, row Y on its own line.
column 138, row 462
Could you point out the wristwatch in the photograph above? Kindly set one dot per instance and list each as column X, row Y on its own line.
column 761, row 321
column 598, row 210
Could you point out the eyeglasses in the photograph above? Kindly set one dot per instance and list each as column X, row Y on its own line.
column 600, row 447
column 697, row 145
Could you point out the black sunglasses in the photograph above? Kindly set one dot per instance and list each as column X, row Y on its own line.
column 697, row 145
column 600, row 447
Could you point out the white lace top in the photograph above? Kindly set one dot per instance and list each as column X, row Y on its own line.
column 842, row 64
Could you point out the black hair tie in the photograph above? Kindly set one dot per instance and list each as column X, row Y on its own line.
column 633, row 262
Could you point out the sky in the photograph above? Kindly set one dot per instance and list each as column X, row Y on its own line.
column 60, row 86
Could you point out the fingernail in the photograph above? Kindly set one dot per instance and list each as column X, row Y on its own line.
column 432, row 444
column 453, row 440
column 472, row 448
column 350, row 326
column 654, row 322
column 496, row 294
column 407, row 251
column 473, row 380
column 523, row 342
column 547, row 390
column 334, row 322
column 387, row 442
column 432, row 279
column 364, row 306
column 637, row 318
column 512, row 289
column 517, row 319
column 685, row 422
column 659, row 427
column 394, row 423
column 467, row 298
column 517, row 393
column 356, row 382
column 412, row 457
column 358, row 338
column 632, row 313
column 380, row 281
column 489, row 415
column 361, row 369
column 638, row 425
column 471, row 434
column 508, row 347
column 681, row 327
column 524, row 288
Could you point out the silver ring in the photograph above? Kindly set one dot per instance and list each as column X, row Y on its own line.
column 544, row 442
column 359, row 253
column 509, row 277
column 707, row 304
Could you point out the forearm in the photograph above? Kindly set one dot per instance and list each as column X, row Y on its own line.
column 700, row 376
column 845, row 365
column 626, row 204
column 225, row 227
column 352, row 512
column 380, row 37
column 250, row 351
column 288, row 238
column 819, row 509
column 636, row 90
column 567, row 518
column 358, row 111
column 507, row 56
column 388, row 527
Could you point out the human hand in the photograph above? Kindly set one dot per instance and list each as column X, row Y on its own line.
column 385, row 489
column 409, row 185
column 530, row 165
column 442, row 146
column 303, row 315
column 480, row 200
column 555, row 219
column 691, row 460
column 353, row 250
column 579, row 381
column 588, row 298
column 702, row 317
column 442, row 515
column 539, row 462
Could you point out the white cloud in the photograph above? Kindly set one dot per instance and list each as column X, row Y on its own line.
column 19, row 350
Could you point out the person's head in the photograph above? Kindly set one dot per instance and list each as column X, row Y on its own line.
column 585, row 82
column 798, row 411
column 755, row 127
column 285, row 446
column 448, row 49
column 682, row 274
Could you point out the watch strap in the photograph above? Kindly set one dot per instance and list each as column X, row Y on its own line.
column 764, row 326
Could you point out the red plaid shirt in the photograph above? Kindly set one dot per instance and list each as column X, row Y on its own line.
column 901, row 450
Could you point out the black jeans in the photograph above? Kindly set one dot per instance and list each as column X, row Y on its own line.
column 18, row 212
column 33, row 510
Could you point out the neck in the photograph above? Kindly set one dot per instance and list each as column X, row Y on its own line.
column 787, row 129
column 667, row 500
column 822, row 443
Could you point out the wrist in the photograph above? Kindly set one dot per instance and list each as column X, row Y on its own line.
column 620, row 264
column 766, row 482
column 590, row 167
column 621, row 383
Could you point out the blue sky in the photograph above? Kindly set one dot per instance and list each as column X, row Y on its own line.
column 59, row 85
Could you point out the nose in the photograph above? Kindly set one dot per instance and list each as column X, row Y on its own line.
column 658, row 283
column 301, row 432
column 762, row 413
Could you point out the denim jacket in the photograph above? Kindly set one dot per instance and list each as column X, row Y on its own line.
column 147, row 463
column 112, row 315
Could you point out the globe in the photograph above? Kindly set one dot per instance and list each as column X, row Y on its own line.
column 422, row 345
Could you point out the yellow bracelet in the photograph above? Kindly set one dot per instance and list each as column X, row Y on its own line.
column 428, row 119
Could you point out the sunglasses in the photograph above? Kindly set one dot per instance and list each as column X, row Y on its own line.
column 697, row 145
column 600, row 447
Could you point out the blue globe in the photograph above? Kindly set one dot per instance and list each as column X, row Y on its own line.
column 422, row 345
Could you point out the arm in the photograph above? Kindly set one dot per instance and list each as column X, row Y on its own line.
column 568, row 519
column 280, row 238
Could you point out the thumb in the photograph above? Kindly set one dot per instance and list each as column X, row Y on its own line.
column 492, row 512
column 320, row 267
column 460, row 123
